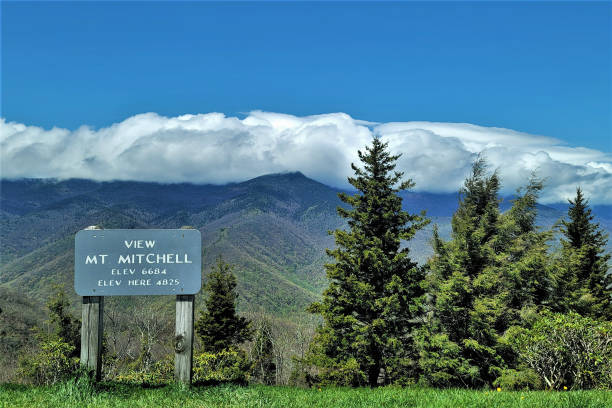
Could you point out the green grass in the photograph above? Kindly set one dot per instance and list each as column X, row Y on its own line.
column 121, row 395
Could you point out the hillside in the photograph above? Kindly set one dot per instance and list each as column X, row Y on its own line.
column 273, row 228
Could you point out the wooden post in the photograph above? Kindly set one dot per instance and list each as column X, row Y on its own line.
column 183, row 340
column 92, row 329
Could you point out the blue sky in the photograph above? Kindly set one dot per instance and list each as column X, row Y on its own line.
column 540, row 68
column 222, row 92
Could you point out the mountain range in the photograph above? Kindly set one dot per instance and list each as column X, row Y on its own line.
column 273, row 229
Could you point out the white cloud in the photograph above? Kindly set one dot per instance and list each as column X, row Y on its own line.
column 214, row 148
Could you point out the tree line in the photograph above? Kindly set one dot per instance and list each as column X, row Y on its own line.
column 490, row 307
column 498, row 304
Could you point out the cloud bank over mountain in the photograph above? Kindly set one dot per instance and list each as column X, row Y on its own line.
column 214, row 148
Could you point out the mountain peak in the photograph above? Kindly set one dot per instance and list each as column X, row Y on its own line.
column 284, row 175
column 285, row 178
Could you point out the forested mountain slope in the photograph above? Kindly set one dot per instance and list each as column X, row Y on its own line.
column 273, row 228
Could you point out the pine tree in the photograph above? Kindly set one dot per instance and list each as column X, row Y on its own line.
column 493, row 270
column 524, row 269
column 374, row 292
column 219, row 327
column 457, row 347
column 579, row 230
column 583, row 284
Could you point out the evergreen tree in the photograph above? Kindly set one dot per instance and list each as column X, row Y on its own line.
column 492, row 272
column 523, row 263
column 579, row 230
column 583, row 284
column 219, row 327
column 374, row 292
column 457, row 347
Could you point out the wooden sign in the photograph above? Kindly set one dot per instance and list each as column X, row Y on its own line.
column 138, row 262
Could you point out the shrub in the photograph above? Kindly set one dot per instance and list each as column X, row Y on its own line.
column 51, row 364
column 347, row 374
column 225, row 366
column 159, row 373
column 66, row 327
column 56, row 356
column 566, row 350
column 517, row 380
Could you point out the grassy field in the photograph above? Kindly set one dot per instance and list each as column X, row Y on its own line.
column 121, row 395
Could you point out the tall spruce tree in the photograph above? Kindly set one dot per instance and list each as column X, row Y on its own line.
column 492, row 271
column 583, row 282
column 523, row 265
column 456, row 351
column 375, row 291
column 218, row 326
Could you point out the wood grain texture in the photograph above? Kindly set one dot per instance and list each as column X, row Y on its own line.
column 183, row 340
column 92, row 328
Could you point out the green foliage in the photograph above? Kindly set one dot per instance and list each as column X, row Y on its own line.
column 158, row 373
column 66, row 327
column 50, row 364
column 273, row 228
column 441, row 361
column 225, row 366
column 582, row 281
column 518, row 380
column 500, row 278
column 523, row 266
column 114, row 395
column 221, row 330
column 79, row 389
column 17, row 317
column 579, row 230
column 57, row 355
column 374, row 291
column 494, row 268
column 219, row 327
column 566, row 350
column 345, row 374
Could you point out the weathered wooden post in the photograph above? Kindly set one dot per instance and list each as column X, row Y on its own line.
column 183, row 336
column 92, row 327
column 183, row 340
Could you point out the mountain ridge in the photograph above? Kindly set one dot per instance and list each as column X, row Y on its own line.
column 274, row 228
